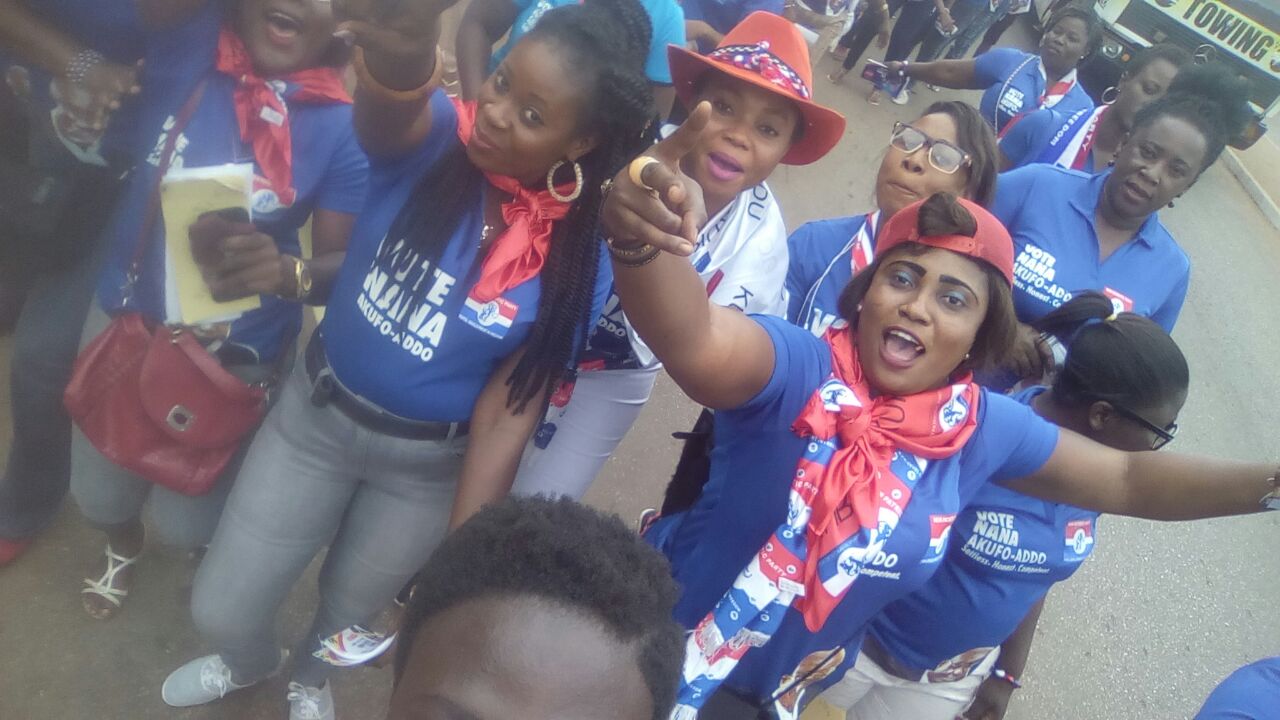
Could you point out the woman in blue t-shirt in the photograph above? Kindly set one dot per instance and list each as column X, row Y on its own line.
column 1089, row 139
column 208, row 87
column 947, row 149
column 1073, row 231
column 965, row 635
column 471, row 280
column 1016, row 82
column 841, row 463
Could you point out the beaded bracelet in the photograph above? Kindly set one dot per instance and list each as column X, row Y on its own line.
column 1007, row 677
column 80, row 65
column 630, row 257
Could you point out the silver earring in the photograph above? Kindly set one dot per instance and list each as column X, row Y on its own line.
column 859, row 307
column 577, row 187
column 1115, row 95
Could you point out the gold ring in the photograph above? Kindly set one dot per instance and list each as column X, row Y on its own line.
column 636, row 172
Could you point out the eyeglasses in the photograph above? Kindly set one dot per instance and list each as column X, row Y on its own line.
column 1164, row 435
column 943, row 156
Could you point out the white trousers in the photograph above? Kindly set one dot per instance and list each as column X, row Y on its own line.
column 603, row 407
column 867, row 692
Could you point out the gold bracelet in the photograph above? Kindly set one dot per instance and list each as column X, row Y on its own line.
column 627, row 251
column 369, row 83
column 645, row 258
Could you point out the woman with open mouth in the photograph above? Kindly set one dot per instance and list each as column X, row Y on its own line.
column 209, row 86
column 473, row 276
column 1016, row 82
column 1088, row 139
column 1073, row 231
column 841, row 462
column 759, row 120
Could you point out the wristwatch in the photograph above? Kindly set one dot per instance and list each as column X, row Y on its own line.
column 301, row 279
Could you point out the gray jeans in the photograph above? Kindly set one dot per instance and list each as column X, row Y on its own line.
column 110, row 496
column 314, row 477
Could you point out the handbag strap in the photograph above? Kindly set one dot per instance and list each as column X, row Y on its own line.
column 180, row 122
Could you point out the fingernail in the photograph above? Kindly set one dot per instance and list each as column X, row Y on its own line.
column 686, row 247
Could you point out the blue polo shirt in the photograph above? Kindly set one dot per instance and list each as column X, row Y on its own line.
column 1250, row 693
column 665, row 17
column 430, row 360
column 329, row 172
column 60, row 132
column 1035, row 139
column 1014, row 85
column 821, row 266
column 1005, row 551
column 745, row 500
column 722, row 15
column 1050, row 212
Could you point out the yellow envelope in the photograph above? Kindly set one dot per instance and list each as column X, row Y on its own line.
column 186, row 194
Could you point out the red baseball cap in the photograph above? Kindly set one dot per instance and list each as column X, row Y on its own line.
column 767, row 51
column 990, row 243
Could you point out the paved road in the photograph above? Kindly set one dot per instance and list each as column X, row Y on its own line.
column 1144, row 631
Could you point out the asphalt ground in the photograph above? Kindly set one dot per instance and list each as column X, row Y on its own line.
column 1152, row 622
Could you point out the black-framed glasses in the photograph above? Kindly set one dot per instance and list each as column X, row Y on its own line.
column 943, row 156
column 1164, row 435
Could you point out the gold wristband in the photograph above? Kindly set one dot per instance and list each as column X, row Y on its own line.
column 627, row 251
column 370, row 84
column 644, row 258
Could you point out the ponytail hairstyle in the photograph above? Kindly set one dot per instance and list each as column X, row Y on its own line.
column 606, row 42
column 1211, row 98
column 1122, row 358
column 941, row 215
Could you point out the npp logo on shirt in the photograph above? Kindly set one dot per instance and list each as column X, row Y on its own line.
column 493, row 318
column 1079, row 540
column 939, row 531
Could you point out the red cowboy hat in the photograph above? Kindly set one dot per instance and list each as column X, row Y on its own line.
column 768, row 52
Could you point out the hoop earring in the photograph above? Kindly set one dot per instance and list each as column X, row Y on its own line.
column 1114, row 97
column 577, row 187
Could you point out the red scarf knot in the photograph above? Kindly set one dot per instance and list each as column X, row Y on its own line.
column 518, row 254
column 263, row 115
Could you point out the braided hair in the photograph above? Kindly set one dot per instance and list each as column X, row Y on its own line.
column 606, row 42
column 1211, row 98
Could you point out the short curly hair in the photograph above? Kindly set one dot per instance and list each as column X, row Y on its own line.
column 571, row 555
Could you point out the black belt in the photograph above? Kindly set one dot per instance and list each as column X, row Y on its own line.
column 889, row 663
column 326, row 389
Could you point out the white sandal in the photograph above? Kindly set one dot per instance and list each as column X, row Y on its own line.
column 104, row 587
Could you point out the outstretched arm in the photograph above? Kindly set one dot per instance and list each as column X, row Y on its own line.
column 957, row 74
column 1152, row 485
column 484, row 22
column 718, row 356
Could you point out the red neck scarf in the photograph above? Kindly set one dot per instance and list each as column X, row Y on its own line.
column 520, row 251
column 263, row 115
column 863, row 457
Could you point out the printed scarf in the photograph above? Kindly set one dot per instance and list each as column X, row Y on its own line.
column 520, row 251
column 263, row 115
column 1053, row 95
column 1071, row 145
column 845, row 502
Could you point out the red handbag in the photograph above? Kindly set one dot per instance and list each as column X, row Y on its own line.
column 154, row 401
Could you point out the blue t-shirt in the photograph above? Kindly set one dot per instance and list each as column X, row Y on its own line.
column 821, row 266
column 61, row 131
column 1050, row 212
column 745, row 500
column 1014, row 85
column 427, row 361
column 1005, row 551
column 722, row 15
column 329, row 172
column 1250, row 693
column 1027, row 140
column 665, row 17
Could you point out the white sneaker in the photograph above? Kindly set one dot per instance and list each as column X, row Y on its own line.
column 204, row 680
column 901, row 98
column 308, row 703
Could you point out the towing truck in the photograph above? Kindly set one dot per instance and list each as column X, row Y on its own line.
column 1242, row 34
